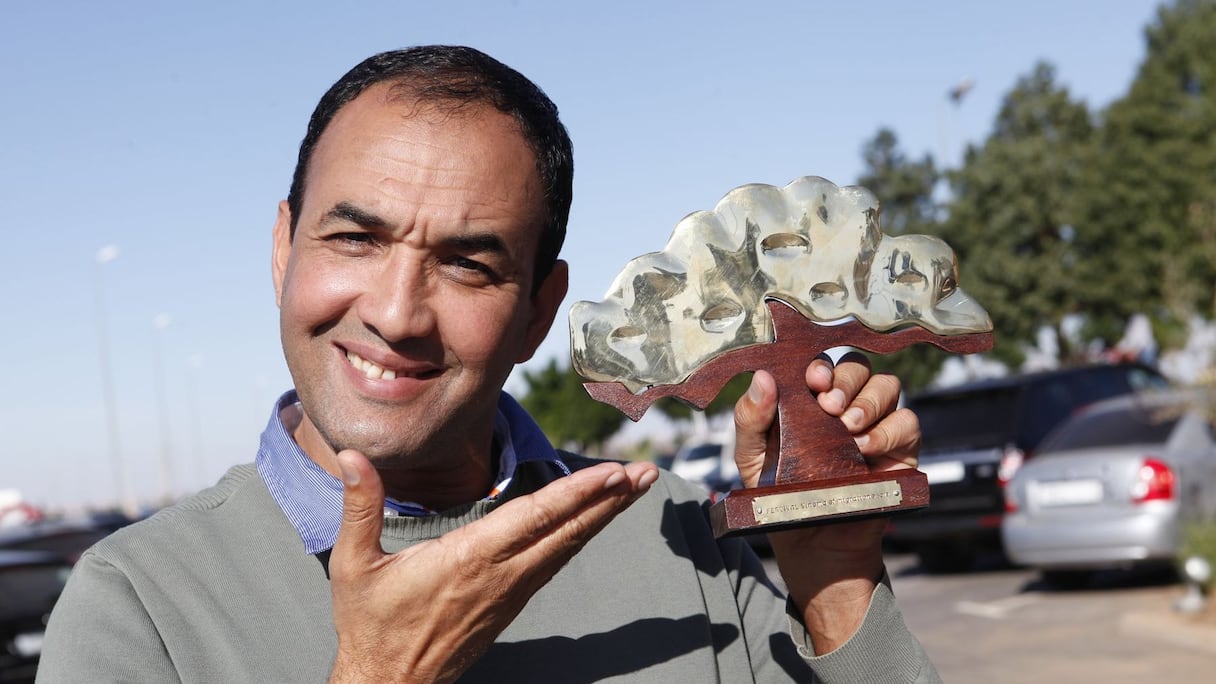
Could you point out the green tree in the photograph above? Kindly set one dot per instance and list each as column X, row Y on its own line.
column 1148, row 240
column 903, row 187
column 1012, row 220
column 561, row 406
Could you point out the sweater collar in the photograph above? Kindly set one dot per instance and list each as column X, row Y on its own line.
column 311, row 498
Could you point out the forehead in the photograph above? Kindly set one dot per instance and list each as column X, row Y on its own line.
column 409, row 150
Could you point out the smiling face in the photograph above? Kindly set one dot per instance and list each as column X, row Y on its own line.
column 404, row 295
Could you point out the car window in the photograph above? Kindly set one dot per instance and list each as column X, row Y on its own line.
column 1112, row 428
column 1049, row 404
column 30, row 591
column 966, row 419
column 1141, row 379
column 703, row 451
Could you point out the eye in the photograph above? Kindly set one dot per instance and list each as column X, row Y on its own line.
column 352, row 241
column 470, row 264
column 467, row 270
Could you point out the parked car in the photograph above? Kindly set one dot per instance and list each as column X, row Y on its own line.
column 35, row 561
column 709, row 462
column 975, row 436
column 65, row 539
column 1113, row 487
column 30, row 583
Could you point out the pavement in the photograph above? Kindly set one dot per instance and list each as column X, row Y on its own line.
column 1191, row 631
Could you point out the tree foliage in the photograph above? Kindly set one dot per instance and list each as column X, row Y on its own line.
column 561, row 406
column 1012, row 220
column 1149, row 238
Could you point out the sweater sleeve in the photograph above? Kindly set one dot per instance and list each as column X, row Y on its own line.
column 99, row 631
column 882, row 649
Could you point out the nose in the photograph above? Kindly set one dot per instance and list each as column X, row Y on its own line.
column 397, row 303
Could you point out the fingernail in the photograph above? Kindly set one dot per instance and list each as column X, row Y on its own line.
column 853, row 417
column 824, row 375
column 861, row 440
column 350, row 474
column 648, row 478
column 837, row 395
column 753, row 392
column 614, row 479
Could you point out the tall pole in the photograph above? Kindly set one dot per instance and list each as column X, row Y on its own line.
column 161, row 322
column 196, row 425
column 121, row 491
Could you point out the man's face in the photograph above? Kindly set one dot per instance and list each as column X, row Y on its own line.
column 405, row 292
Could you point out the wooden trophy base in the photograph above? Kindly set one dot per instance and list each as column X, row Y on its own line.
column 783, row 506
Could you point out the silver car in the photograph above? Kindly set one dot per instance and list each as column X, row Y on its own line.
column 1113, row 487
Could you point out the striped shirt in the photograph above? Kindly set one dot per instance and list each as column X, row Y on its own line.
column 312, row 498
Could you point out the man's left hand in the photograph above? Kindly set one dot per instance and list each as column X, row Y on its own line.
column 831, row 570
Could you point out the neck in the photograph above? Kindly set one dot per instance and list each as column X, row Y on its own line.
column 440, row 489
column 457, row 480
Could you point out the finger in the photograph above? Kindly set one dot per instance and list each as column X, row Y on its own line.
column 819, row 374
column 522, row 523
column 567, row 538
column 851, row 373
column 754, row 415
column 358, row 539
column 894, row 442
column 877, row 398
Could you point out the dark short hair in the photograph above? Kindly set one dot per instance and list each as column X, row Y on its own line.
column 456, row 76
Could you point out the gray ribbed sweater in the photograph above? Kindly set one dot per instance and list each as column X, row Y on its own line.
column 219, row 589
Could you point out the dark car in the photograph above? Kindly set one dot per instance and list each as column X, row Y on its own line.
column 64, row 539
column 35, row 561
column 975, row 436
column 30, row 583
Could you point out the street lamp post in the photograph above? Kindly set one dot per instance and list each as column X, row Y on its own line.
column 104, row 256
column 196, row 426
column 161, row 322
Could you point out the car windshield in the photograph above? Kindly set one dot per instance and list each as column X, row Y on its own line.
column 966, row 419
column 1133, row 425
column 703, row 451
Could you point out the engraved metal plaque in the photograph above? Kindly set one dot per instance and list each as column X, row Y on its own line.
column 779, row 508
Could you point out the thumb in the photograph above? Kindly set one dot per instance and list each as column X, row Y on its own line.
column 754, row 414
column 362, row 510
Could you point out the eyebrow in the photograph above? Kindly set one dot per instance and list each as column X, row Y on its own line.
column 345, row 211
column 477, row 242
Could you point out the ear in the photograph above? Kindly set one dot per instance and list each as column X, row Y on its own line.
column 281, row 252
column 544, row 308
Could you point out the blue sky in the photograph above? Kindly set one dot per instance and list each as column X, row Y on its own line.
column 170, row 130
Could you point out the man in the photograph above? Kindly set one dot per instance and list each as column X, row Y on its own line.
column 415, row 262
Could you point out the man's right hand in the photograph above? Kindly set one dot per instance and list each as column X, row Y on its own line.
column 428, row 612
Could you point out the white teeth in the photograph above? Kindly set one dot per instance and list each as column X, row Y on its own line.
column 371, row 370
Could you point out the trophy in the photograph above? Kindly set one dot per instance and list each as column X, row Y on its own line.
column 768, row 280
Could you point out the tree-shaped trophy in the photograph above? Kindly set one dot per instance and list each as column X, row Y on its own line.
column 768, row 280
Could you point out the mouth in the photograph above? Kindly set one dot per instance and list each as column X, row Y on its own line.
column 374, row 371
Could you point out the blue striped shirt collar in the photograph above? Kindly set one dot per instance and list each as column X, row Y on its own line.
column 312, row 498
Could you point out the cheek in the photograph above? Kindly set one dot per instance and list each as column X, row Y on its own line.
column 485, row 331
column 313, row 294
